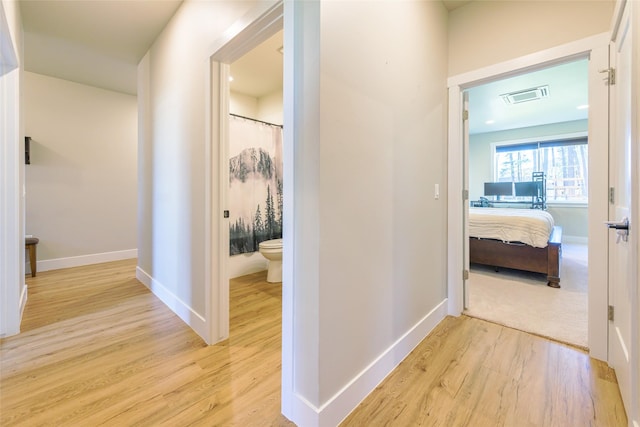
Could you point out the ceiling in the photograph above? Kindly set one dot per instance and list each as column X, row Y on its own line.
column 259, row 72
column 568, row 89
column 94, row 42
column 454, row 4
column 100, row 42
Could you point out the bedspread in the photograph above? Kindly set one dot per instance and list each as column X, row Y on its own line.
column 530, row 226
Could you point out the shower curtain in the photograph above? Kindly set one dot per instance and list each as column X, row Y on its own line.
column 255, row 183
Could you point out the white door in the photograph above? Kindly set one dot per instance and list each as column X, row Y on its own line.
column 622, row 271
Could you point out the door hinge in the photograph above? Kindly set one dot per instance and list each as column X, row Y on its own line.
column 465, row 274
column 610, row 78
column 612, row 195
column 610, row 314
column 465, row 115
column 465, row 194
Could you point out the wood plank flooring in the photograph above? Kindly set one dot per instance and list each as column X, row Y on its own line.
column 97, row 348
column 469, row 372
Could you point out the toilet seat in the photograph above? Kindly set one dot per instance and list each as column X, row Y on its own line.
column 271, row 244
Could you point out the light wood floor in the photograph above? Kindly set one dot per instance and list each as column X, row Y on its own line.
column 469, row 372
column 97, row 348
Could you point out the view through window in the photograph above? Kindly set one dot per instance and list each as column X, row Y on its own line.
column 564, row 163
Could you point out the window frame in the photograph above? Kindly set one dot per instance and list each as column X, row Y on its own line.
column 541, row 139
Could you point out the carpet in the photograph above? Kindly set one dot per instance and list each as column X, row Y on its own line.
column 523, row 301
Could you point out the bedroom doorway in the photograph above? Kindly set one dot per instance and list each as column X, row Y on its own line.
column 596, row 49
column 528, row 155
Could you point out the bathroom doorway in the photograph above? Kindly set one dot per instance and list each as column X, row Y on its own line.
column 255, row 155
column 262, row 22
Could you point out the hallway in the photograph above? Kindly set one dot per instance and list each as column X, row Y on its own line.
column 98, row 348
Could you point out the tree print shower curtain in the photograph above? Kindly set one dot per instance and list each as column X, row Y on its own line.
column 255, row 184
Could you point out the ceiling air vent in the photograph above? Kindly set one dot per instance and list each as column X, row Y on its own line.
column 525, row 95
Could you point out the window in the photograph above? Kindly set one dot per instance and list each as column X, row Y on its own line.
column 564, row 163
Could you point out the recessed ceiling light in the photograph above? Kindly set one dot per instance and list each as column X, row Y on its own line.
column 230, row 78
column 490, row 122
column 582, row 107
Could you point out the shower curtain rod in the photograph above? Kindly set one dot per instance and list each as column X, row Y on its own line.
column 254, row 120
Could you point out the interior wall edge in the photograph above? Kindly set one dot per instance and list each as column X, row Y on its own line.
column 194, row 320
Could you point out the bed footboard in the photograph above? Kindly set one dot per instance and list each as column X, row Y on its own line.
column 554, row 257
column 520, row 256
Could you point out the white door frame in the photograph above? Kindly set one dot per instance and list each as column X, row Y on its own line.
column 255, row 27
column 13, row 291
column 596, row 47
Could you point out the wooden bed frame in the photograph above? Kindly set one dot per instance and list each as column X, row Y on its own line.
column 520, row 256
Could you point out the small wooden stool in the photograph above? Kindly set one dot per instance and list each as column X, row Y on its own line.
column 30, row 244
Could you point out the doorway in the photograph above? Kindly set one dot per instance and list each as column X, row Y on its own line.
column 262, row 23
column 528, row 133
column 255, row 154
column 596, row 48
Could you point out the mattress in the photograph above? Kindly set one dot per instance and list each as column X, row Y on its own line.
column 530, row 226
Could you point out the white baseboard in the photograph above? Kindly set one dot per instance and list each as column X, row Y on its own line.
column 194, row 320
column 346, row 400
column 77, row 261
column 23, row 299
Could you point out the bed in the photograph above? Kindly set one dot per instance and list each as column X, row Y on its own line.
column 522, row 239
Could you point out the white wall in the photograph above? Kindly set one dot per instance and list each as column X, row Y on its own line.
column 243, row 105
column 82, row 181
column 483, row 33
column 269, row 109
column 369, row 237
column 174, row 192
column 13, row 291
column 372, row 247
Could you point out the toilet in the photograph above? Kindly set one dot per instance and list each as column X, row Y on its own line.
column 272, row 250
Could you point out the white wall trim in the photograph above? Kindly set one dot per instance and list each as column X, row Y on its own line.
column 179, row 307
column 457, row 152
column 455, row 186
column 23, row 299
column 11, row 191
column 78, row 261
column 529, row 62
column 255, row 27
column 338, row 407
column 293, row 109
column 598, row 209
